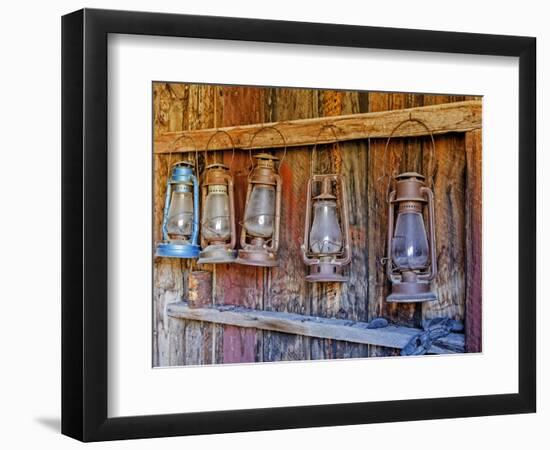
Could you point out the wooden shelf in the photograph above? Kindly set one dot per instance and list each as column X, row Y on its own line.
column 338, row 329
column 444, row 118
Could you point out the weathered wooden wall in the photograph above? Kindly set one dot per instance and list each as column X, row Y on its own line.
column 457, row 161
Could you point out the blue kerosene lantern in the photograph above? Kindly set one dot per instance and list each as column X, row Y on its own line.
column 180, row 225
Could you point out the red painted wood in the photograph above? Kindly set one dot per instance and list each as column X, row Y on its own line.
column 473, row 336
column 239, row 345
column 242, row 285
column 286, row 288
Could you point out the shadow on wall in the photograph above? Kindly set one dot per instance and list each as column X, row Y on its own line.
column 53, row 423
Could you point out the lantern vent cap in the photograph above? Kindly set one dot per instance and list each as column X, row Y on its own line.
column 325, row 196
column 217, row 165
column 183, row 164
column 266, row 156
column 406, row 175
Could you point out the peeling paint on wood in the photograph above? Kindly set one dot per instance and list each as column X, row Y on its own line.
column 293, row 325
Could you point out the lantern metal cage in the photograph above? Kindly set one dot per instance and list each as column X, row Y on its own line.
column 218, row 233
column 326, row 245
column 180, row 224
column 411, row 261
column 262, row 215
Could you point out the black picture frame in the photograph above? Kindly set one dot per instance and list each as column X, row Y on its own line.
column 84, row 224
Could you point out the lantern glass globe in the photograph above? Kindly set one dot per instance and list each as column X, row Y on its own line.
column 326, row 234
column 216, row 224
column 410, row 243
column 180, row 215
column 260, row 211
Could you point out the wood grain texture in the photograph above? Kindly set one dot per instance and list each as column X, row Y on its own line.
column 473, row 319
column 326, row 298
column 200, row 289
column 449, row 173
column 199, row 115
column 344, row 300
column 354, row 165
column 411, row 150
column 239, row 284
column 382, row 169
column 201, row 108
column 286, row 288
column 443, row 118
column 176, row 106
column 168, row 282
column 339, row 330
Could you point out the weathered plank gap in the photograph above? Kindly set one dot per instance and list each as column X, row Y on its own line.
column 337, row 329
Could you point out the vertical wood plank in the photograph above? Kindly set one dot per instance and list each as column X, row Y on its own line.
column 240, row 285
column 286, row 288
column 448, row 173
column 377, row 216
column 344, row 300
column 168, row 333
column 402, row 154
column 326, row 298
column 217, row 330
column 199, row 113
column 457, row 188
column 409, row 313
column 473, row 319
column 354, row 165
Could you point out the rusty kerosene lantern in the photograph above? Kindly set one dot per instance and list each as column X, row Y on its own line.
column 262, row 214
column 411, row 263
column 218, row 235
column 180, row 224
column 326, row 245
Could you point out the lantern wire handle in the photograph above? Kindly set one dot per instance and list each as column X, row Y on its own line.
column 330, row 126
column 267, row 127
column 432, row 158
column 212, row 138
column 183, row 136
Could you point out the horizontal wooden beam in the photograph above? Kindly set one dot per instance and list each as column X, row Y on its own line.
column 319, row 327
column 443, row 118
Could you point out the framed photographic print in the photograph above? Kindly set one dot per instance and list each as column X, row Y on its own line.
column 274, row 224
